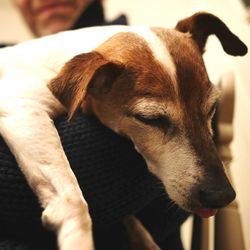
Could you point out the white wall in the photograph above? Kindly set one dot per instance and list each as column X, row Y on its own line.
column 12, row 28
column 166, row 13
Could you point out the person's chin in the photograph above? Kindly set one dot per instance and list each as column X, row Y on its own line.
column 53, row 27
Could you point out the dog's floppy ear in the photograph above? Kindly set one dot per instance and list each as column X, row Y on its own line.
column 83, row 74
column 202, row 24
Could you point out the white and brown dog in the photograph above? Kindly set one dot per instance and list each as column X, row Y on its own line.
column 147, row 84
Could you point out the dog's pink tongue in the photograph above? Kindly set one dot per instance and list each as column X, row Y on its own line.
column 205, row 213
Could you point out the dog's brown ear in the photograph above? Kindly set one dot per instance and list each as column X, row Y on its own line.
column 83, row 74
column 203, row 24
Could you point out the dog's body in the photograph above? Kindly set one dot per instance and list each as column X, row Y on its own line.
column 149, row 85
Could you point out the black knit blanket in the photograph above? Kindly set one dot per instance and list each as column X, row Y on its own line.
column 115, row 182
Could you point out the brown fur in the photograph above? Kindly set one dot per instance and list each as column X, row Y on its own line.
column 137, row 57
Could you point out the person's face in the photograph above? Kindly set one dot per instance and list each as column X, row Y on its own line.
column 46, row 17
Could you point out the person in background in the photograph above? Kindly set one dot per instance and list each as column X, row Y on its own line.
column 45, row 17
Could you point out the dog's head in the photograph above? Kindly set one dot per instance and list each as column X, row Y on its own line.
column 152, row 87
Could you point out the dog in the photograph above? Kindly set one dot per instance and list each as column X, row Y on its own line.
column 149, row 85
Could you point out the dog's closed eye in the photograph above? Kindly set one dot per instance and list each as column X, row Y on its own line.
column 158, row 121
column 154, row 120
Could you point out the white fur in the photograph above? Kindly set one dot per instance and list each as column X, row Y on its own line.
column 169, row 165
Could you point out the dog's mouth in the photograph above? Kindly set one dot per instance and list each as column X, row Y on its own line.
column 206, row 212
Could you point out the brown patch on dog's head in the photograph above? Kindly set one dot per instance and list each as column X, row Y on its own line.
column 134, row 53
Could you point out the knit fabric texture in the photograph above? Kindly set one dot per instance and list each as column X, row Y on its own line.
column 112, row 175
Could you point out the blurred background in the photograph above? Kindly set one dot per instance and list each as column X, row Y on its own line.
column 166, row 13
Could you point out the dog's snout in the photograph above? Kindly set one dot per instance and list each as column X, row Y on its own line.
column 216, row 198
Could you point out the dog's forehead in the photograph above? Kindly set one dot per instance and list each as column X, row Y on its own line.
column 193, row 83
column 168, row 60
column 136, row 40
column 143, row 51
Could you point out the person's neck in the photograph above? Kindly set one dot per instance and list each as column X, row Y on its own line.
column 92, row 16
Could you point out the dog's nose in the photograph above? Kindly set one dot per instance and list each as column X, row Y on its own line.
column 216, row 198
